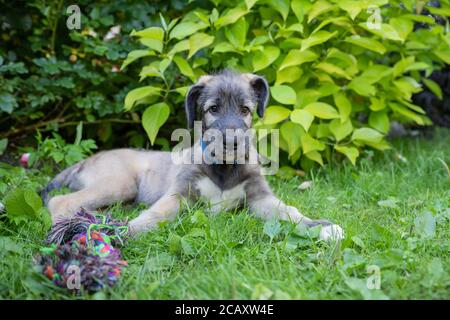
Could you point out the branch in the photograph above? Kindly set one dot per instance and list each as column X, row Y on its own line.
column 61, row 124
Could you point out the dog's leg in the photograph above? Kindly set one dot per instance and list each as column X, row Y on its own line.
column 166, row 208
column 92, row 197
column 270, row 207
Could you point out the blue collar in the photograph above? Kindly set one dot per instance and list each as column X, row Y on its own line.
column 203, row 145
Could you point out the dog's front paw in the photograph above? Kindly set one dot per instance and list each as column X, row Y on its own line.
column 331, row 232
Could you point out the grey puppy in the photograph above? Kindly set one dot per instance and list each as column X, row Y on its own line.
column 222, row 101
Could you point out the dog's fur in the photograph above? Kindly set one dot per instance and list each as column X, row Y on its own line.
column 153, row 178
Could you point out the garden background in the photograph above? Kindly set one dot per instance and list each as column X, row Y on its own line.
column 341, row 73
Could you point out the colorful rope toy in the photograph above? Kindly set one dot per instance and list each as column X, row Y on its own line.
column 82, row 246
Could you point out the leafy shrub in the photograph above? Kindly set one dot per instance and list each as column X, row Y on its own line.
column 51, row 78
column 18, row 195
column 60, row 152
column 336, row 80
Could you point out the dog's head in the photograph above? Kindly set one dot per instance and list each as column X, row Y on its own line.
column 226, row 101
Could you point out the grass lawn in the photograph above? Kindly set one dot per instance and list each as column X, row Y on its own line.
column 395, row 213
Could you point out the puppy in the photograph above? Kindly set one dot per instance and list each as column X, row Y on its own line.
column 224, row 101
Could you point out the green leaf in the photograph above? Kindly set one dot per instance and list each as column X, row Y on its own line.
column 3, row 145
column 9, row 245
column 263, row 59
column 307, row 96
column 315, row 156
column 8, row 102
column 350, row 152
column 340, row 130
column 362, row 87
column 443, row 55
column 22, row 204
column 237, row 33
column 332, row 70
column 318, row 8
column 382, row 145
column 230, row 16
column 366, row 43
column 302, row 117
column 402, row 26
column 442, row 11
column 386, row 31
column 79, row 133
column 417, row 66
column 300, row 8
column 358, row 241
column 250, row 3
column 179, row 47
column 174, row 243
column 184, row 67
column 139, row 93
column 199, row 218
column 187, row 247
column 419, row 18
column 134, row 55
column 163, row 65
column 184, row 29
column 182, row 90
column 352, row 7
column 310, row 144
column 391, row 202
column 151, row 70
column 374, row 73
column 327, row 88
column 433, row 86
column 154, row 44
column 282, row 6
column 407, row 86
column 291, row 133
column 322, row 110
column 367, row 135
column 296, row 57
column 33, row 200
column 296, row 27
column 407, row 113
column 435, row 273
column 199, row 41
column 224, row 47
column 343, row 104
column 272, row 228
column 284, row 94
column 360, row 286
column 150, row 33
column 153, row 118
column 377, row 104
column 275, row 114
column 288, row 75
column 380, row 121
column 316, row 38
column 260, row 292
column 425, row 224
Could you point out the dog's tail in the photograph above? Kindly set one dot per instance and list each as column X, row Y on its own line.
column 63, row 179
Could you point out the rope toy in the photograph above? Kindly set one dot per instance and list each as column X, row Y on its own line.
column 81, row 253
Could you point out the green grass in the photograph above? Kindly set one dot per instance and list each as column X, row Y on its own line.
column 230, row 256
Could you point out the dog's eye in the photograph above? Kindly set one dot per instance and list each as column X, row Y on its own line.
column 245, row 110
column 213, row 109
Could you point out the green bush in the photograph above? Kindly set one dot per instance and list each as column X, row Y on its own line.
column 51, row 78
column 336, row 82
column 331, row 90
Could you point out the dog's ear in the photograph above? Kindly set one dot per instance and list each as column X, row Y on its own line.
column 190, row 104
column 193, row 94
column 261, row 89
